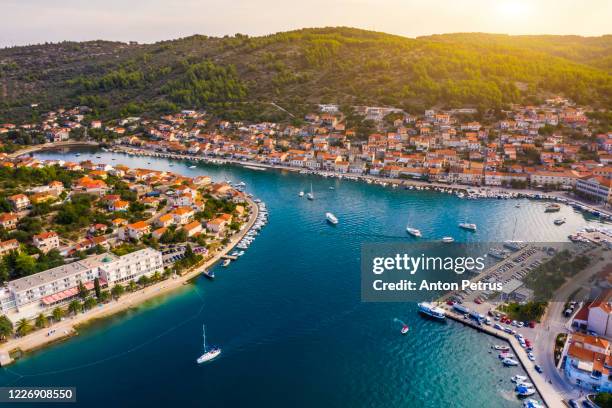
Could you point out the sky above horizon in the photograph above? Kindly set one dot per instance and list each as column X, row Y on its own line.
column 36, row 21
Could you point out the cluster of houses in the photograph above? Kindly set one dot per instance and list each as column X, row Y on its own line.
column 548, row 146
column 169, row 199
column 182, row 195
column 588, row 362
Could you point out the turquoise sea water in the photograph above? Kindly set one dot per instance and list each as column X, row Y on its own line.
column 288, row 314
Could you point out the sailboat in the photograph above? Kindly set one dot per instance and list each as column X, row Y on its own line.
column 208, row 354
column 310, row 195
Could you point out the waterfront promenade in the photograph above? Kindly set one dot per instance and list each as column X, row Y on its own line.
column 68, row 326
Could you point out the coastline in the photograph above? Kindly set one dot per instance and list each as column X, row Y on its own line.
column 68, row 327
column 498, row 191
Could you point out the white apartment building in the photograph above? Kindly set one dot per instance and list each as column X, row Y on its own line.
column 31, row 295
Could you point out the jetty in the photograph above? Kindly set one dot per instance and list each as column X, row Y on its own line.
column 549, row 395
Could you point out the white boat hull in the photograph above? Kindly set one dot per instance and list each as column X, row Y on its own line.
column 210, row 355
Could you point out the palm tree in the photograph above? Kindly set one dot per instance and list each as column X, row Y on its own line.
column 75, row 307
column 24, row 327
column 156, row 276
column 132, row 286
column 57, row 314
column 41, row 321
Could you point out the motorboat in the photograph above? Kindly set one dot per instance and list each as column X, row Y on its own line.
column 468, row 226
column 405, row 329
column 519, row 378
column 331, row 218
column 509, row 362
column 448, row 240
column 524, row 391
column 414, row 232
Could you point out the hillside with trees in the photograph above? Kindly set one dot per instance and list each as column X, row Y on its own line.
column 238, row 77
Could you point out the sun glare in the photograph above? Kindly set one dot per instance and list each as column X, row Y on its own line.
column 513, row 8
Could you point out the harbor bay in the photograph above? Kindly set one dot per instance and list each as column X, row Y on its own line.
column 291, row 305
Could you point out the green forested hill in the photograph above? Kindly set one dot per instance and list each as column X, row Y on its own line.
column 239, row 76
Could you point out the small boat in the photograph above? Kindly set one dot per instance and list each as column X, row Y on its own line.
column 531, row 403
column 209, row 354
column 505, row 354
column 404, row 329
column 331, row 218
column 509, row 362
column 552, row 208
column 519, row 378
column 501, row 348
column 310, row 195
column 77, row 154
column 448, row 240
column 192, row 167
column 526, row 384
column 301, row 194
column 468, row 226
column 414, row 232
column 332, row 187
column 98, row 157
column 523, row 391
column 559, row 221
column 171, row 165
column 209, row 274
column 518, row 206
column 227, row 262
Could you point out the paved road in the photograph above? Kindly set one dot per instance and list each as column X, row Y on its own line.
column 554, row 322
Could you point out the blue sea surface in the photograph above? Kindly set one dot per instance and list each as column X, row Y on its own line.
column 288, row 314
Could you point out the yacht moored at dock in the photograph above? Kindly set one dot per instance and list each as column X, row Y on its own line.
column 509, row 362
column 432, row 311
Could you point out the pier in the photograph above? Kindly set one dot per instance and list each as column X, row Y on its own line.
column 230, row 257
column 550, row 397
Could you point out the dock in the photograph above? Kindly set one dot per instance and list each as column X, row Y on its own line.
column 550, row 397
column 5, row 359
